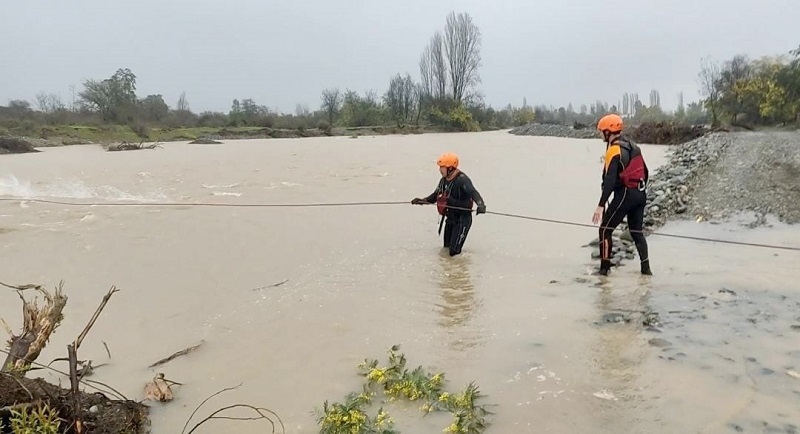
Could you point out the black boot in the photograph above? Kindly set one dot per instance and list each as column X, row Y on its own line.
column 646, row 268
column 605, row 267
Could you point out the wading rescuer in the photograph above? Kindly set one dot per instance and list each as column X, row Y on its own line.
column 455, row 190
column 625, row 174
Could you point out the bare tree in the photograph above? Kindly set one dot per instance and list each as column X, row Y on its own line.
column 73, row 105
column 708, row 77
column 426, row 77
column 655, row 98
column 438, row 66
column 331, row 102
column 462, row 46
column 301, row 110
column 183, row 105
column 49, row 102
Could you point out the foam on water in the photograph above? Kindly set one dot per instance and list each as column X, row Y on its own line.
column 11, row 186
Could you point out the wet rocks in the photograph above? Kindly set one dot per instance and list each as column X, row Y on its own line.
column 16, row 145
column 554, row 130
column 660, row 343
column 615, row 317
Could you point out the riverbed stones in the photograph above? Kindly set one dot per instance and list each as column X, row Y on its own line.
column 553, row 130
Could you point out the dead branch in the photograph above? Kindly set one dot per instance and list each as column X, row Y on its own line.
column 258, row 410
column 73, row 380
column 90, row 383
column 206, row 400
column 274, row 285
column 126, row 146
column 38, row 325
column 22, row 287
column 107, row 350
column 176, row 355
column 100, row 308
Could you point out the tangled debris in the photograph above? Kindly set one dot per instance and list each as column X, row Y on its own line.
column 16, row 145
column 126, row 146
column 22, row 399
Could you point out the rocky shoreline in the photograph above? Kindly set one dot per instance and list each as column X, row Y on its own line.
column 654, row 133
column 553, row 130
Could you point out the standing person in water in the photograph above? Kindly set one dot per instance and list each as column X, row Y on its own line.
column 454, row 197
column 625, row 174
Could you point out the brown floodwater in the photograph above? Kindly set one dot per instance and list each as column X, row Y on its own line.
column 518, row 313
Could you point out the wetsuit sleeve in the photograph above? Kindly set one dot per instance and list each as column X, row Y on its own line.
column 470, row 192
column 610, row 173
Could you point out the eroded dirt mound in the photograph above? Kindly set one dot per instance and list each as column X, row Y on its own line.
column 100, row 414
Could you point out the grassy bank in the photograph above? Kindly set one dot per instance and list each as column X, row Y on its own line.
column 57, row 135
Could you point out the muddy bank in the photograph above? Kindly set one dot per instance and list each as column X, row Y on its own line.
column 15, row 145
column 99, row 414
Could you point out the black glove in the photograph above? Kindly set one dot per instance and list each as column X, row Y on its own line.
column 417, row 201
column 481, row 210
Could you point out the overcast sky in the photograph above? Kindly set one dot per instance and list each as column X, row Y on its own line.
column 281, row 53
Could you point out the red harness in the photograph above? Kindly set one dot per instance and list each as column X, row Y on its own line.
column 632, row 175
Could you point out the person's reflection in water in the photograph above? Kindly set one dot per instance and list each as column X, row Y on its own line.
column 619, row 353
column 458, row 300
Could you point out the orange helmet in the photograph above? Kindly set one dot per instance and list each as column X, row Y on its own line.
column 610, row 122
column 448, row 160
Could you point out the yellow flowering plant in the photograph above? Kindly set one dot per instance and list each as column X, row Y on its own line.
column 397, row 382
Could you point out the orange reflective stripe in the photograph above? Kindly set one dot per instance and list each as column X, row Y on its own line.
column 611, row 152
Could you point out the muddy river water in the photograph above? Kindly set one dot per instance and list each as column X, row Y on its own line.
column 554, row 348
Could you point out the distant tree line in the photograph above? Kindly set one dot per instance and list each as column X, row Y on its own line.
column 445, row 96
column 764, row 91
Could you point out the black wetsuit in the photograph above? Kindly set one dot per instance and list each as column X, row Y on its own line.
column 460, row 192
column 628, row 201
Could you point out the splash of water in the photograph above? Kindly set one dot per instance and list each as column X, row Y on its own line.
column 11, row 186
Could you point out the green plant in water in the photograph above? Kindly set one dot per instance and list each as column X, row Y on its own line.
column 42, row 420
column 351, row 418
column 397, row 382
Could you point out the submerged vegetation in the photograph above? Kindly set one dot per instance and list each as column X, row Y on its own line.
column 396, row 382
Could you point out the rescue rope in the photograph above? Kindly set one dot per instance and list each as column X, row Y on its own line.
column 343, row 204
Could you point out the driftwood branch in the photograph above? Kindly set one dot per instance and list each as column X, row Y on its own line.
column 274, row 285
column 18, row 393
column 126, row 146
column 38, row 324
column 214, row 415
column 260, row 411
column 206, row 400
column 176, row 355
column 96, row 315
